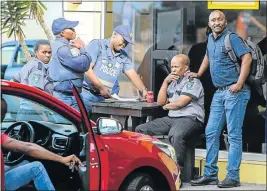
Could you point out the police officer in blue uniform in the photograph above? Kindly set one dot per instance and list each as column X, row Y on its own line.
column 69, row 61
column 35, row 73
column 109, row 60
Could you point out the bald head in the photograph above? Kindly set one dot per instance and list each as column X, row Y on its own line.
column 216, row 12
column 180, row 64
column 217, row 22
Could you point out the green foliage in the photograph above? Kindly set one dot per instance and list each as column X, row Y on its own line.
column 13, row 16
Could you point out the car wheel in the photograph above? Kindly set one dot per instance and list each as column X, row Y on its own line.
column 140, row 182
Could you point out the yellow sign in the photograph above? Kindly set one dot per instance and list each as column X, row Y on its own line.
column 219, row 4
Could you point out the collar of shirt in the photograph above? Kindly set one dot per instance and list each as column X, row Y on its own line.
column 63, row 40
column 220, row 35
column 37, row 60
column 109, row 51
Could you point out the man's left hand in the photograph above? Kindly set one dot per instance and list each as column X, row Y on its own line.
column 166, row 107
column 72, row 158
column 236, row 88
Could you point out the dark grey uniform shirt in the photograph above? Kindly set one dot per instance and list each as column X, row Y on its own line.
column 190, row 87
column 35, row 73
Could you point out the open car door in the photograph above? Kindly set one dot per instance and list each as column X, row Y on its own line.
column 90, row 173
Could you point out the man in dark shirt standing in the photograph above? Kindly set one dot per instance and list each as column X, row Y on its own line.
column 229, row 101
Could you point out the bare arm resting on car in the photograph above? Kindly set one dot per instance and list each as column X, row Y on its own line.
column 36, row 151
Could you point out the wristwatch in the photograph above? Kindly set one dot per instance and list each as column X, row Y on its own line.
column 144, row 90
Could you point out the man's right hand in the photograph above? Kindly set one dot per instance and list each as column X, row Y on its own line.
column 105, row 92
column 193, row 75
column 170, row 78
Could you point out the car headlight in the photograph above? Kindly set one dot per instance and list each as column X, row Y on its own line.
column 166, row 148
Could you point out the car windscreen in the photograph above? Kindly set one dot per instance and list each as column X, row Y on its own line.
column 6, row 54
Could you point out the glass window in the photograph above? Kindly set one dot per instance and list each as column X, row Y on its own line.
column 21, row 59
column 163, row 27
column 6, row 54
column 20, row 109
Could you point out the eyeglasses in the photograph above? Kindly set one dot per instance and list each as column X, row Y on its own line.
column 124, row 44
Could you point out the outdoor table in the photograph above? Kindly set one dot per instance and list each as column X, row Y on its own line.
column 121, row 111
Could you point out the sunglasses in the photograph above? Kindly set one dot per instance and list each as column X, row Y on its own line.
column 124, row 44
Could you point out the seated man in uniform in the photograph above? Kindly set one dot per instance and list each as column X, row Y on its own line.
column 183, row 97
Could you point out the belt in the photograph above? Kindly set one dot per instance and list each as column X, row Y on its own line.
column 65, row 93
column 224, row 88
column 92, row 91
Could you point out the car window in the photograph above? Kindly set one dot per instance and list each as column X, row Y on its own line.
column 6, row 54
column 21, row 60
column 20, row 109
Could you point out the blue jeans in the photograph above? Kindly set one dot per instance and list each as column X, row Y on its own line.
column 230, row 108
column 23, row 175
column 89, row 97
column 68, row 99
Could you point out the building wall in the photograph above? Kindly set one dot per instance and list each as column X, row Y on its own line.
column 88, row 13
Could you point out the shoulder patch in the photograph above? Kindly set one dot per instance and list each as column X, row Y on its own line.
column 190, row 83
column 36, row 78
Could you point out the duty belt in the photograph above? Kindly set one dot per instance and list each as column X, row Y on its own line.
column 91, row 91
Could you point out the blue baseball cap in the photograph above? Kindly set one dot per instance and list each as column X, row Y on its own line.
column 125, row 32
column 60, row 24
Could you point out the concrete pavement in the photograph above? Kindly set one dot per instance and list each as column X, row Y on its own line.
column 244, row 186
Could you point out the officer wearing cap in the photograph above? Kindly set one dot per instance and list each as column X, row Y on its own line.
column 109, row 60
column 69, row 60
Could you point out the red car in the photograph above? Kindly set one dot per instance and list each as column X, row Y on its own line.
column 114, row 159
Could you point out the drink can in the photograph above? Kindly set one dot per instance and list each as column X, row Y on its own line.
column 150, row 97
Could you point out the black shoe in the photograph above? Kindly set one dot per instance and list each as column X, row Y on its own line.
column 204, row 180
column 228, row 183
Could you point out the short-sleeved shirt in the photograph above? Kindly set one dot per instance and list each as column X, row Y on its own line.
column 35, row 73
column 107, row 66
column 191, row 87
column 4, row 137
column 222, row 69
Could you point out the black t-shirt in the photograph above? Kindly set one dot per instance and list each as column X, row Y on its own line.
column 263, row 45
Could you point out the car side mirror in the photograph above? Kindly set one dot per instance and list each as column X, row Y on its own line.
column 108, row 126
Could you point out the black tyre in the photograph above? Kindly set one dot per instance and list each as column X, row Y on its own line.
column 139, row 182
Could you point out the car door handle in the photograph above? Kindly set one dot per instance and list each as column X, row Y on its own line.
column 93, row 163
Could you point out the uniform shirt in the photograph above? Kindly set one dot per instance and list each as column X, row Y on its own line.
column 35, row 73
column 222, row 69
column 75, row 60
column 110, row 66
column 4, row 137
column 190, row 87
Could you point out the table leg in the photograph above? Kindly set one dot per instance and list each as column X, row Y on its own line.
column 137, row 121
column 122, row 119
